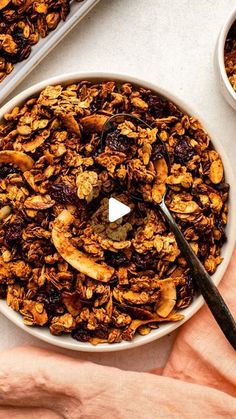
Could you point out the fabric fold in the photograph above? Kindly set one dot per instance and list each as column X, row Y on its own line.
column 199, row 379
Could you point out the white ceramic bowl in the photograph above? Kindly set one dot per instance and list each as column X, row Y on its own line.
column 67, row 341
column 224, row 83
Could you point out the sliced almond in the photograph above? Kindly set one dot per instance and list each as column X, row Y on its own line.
column 159, row 186
column 4, row 212
column 39, row 202
column 22, row 160
column 94, row 123
column 216, row 171
column 24, row 130
column 161, row 170
column 4, row 3
column 73, row 256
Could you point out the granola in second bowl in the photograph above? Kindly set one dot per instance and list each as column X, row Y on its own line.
column 230, row 56
column 62, row 264
column 22, row 24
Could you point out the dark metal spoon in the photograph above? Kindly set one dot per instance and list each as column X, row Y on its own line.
column 203, row 280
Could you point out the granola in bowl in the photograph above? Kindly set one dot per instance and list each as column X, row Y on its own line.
column 230, row 55
column 63, row 265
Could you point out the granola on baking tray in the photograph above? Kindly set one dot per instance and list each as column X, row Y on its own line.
column 230, row 55
column 63, row 264
column 22, row 24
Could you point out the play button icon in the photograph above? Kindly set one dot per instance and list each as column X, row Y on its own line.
column 116, row 209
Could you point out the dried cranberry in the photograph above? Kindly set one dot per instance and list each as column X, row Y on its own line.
column 6, row 170
column 118, row 142
column 13, row 232
column 63, row 193
column 116, row 259
column 144, row 261
column 158, row 151
column 183, row 152
column 81, row 335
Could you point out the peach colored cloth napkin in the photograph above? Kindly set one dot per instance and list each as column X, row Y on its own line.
column 199, row 380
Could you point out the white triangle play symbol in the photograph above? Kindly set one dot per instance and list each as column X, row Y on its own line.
column 117, row 210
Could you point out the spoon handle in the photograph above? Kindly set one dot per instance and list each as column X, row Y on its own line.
column 207, row 287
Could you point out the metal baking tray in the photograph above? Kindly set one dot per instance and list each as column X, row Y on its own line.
column 44, row 46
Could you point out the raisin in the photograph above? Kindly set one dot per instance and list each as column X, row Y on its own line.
column 144, row 261
column 221, row 228
column 158, row 107
column 183, row 152
column 118, row 142
column 116, row 259
column 96, row 104
column 23, row 48
column 135, row 312
column 52, row 301
column 81, row 335
column 13, row 232
column 3, row 291
column 186, row 292
column 158, row 151
column 223, row 187
column 6, row 170
column 3, row 27
column 63, row 193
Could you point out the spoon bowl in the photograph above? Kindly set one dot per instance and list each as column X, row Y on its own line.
column 202, row 279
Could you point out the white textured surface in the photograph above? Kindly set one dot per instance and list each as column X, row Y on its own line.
column 170, row 43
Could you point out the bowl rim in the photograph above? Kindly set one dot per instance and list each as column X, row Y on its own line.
column 66, row 341
column 220, row 52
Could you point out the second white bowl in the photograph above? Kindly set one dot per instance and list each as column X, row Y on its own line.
column 224, row 83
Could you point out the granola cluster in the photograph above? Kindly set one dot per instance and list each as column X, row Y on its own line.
column 62, row 263
column 230, row 56
column 22, row 24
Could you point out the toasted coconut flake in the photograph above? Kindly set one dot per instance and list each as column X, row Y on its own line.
column 93, row 123
column 168, row 299
column 33, row 144
column 70, row 122
column 135, row 324
column 22, row 160
column 72, row 255
column 96, row 341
